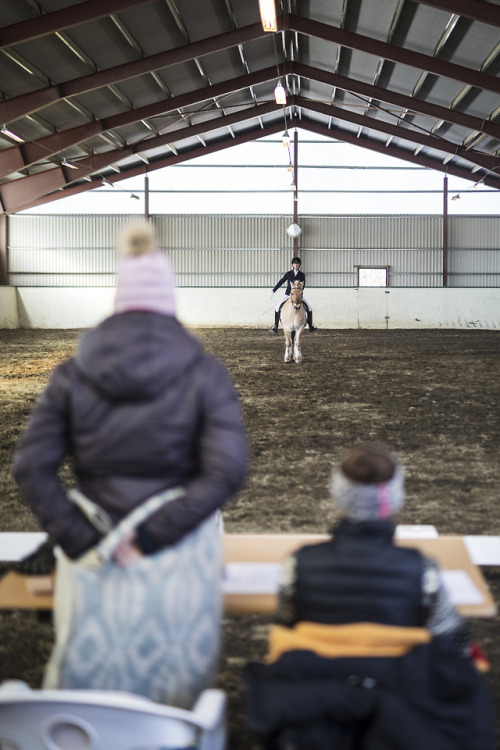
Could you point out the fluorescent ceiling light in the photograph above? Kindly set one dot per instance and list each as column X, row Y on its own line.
column 268, row 15
column 12, row 135
column 65, row 163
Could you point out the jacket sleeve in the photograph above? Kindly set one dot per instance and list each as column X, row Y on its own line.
column 222, row 463
column 286, row 608
column 281, row 282
column 442, row 617
column 38, row 457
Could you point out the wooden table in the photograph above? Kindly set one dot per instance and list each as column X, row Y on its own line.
column 16, row 591
column 449, row 551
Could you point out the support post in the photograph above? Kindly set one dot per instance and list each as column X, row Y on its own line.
column 296, row 191
column 146, row 198
column 445, row 230
column 4, row 277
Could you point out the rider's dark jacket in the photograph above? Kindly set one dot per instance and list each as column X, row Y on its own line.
column 289, row 277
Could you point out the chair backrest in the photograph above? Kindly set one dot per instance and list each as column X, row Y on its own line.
column 106, row 720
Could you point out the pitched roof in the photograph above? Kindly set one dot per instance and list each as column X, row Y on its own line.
column 119, row 88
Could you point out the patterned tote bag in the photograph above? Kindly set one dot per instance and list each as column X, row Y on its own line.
column 151, row 627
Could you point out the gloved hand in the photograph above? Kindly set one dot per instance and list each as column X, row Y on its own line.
column 271, row 294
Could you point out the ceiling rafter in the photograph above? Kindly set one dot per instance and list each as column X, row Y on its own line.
column 129, row 38
column 419, row 106
column 143, row 169
column 394, row 53
column 59, row 20
column 252, row 135
column 16, row 157
column 487, row 161
column 475, row 11
column 398, row 153
column 16, row 107
column 26, row 66
column 392, row 28
column 17, row 193
column 361, row 113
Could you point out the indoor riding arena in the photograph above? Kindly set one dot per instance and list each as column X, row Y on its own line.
column 432, row 396
column 353, row 142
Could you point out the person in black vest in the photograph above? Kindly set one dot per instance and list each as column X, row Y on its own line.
column 367, row 650
column 360, row 575
column 290, row 276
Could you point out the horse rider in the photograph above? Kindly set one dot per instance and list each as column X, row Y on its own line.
column 290, row 276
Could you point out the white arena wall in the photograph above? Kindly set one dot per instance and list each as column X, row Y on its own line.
column 9, row 317
column 341, row 308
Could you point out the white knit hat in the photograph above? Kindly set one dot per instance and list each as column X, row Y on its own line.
column 145, row 278
column 367, row 501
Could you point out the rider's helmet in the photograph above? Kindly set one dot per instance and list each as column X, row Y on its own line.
column 296, row 260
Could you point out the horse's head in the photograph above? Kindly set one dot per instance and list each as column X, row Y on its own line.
column 296, row 292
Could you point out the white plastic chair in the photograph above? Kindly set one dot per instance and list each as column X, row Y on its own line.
column 106, row 720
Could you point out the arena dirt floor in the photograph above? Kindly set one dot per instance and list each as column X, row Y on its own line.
column 431, row 396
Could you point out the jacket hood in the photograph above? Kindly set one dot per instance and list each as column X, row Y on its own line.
column 134, row 356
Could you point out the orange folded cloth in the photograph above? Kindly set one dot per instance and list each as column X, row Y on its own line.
column 357, row 639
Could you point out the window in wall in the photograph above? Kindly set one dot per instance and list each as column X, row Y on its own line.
column 372, row 275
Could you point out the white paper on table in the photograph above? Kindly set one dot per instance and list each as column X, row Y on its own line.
column 483, row 550
column 416, row 532
column 16, row 545
column 251, row 578
column 461, row 588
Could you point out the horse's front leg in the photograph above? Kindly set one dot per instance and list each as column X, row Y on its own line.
column 288, row 346
column 297, row 351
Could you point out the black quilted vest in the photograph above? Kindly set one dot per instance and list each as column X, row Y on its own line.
column 360, row 576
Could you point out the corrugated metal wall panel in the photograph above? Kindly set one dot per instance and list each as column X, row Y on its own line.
column 62, row 260
column 372, row 231
column 474, row 232
column 61, row 280
column 472, row 267
column 232, row 266
column 191, row 231
column 245, row 251
column 68, row 231
column 408, row 266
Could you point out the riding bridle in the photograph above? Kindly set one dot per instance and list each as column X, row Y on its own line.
column 293, row 303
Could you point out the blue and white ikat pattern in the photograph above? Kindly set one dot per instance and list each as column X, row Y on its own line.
column 152, row 627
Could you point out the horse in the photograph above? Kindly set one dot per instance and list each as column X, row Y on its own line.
column 293, row 320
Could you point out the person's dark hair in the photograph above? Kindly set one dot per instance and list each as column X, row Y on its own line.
column 368, row 464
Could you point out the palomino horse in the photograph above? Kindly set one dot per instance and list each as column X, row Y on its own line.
column 293, row 320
